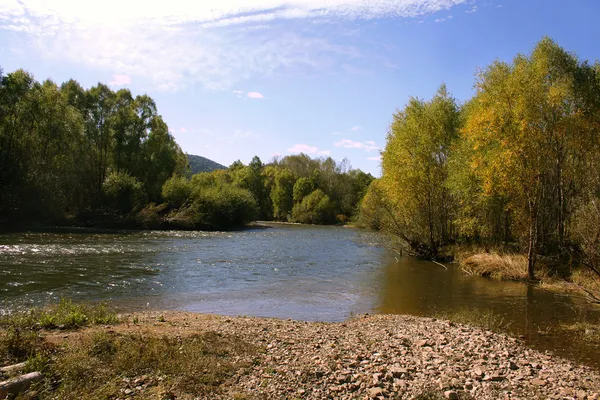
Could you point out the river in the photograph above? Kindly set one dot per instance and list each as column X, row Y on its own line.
column 285, row 271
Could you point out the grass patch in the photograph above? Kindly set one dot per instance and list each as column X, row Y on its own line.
column 497, row 266
column 18, row 345
column 64, row 315
column 585, row 331
column 104, row 366
column 482, row 318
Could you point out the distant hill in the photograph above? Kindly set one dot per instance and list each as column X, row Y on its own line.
column 202, row 164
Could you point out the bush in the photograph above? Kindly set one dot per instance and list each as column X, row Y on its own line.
column 223, row 207
column 316, row 208
column 176, row 191
column 123, row 192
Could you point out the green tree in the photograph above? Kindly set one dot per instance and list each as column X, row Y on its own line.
column 415, row 171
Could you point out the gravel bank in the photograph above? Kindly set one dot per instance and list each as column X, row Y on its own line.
column 383, row 356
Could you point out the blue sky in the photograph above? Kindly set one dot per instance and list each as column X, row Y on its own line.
column 235, row 78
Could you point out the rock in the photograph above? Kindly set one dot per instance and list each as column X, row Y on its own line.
column 422, row 343
column 478, row 372
column 374, row 392
column 539, row 382
column 451, row 395
column 397, row 372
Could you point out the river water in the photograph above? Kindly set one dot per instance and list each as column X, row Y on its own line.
column 286, row 271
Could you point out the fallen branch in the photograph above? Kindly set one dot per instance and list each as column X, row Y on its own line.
column 19, row 384
column 11, row 368
column 439, row 264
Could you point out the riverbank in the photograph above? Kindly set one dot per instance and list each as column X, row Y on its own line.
column 550, row 275
column 184, row 356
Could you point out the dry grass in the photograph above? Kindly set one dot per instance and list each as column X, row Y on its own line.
column 104, row 365
column 581, row 281
column 100, row 364
column 497, row 266
column 584, row 331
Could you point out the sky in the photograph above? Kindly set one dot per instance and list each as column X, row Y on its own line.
column 238, row 78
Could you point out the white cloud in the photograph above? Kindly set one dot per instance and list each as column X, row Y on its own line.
column 307, row 149
column 472, row 10
column 351, row 144
column 178, row 43
column 356, row 128
column 120, row 80
column 336, row 133
column 303, row 148
column 238, row 93
column 255, row 95
column 183, row 130
column 376, row 158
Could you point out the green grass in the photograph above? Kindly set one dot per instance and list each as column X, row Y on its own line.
column 102, row 365
column 64, row 315
column 482, row 318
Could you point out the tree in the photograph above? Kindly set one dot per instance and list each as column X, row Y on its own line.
column 528, row 128
column 316, row 208
column 415, row 171
column 282, row 193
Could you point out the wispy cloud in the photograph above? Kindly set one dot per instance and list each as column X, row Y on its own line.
column 472, row 10
column 356, row 128
column 307, row 149
column 369, row 145
column 120, row 80
column 183, row 130
column 376, row 158
column 178, row 43
column 336, row 133
column 251, row 95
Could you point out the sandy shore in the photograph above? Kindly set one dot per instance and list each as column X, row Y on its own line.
column 376, row 356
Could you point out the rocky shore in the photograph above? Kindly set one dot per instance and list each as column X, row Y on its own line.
column 379, row 357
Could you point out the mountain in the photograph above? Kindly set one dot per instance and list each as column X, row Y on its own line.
column 202, row 164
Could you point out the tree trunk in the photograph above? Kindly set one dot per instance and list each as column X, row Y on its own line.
column 531, row 251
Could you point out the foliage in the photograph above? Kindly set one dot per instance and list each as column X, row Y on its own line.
column 123, row 192
column 223, row 207
column 316, row 208
column 176, row 191
column 59, row 144
column 515, row 166
column 415, row 172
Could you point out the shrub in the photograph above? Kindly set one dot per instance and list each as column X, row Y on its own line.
column 223, row 207
column 123, row 192
column 176, row 191
column 316, row 208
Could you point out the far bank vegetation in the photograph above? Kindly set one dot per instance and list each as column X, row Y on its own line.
column 99, row 158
